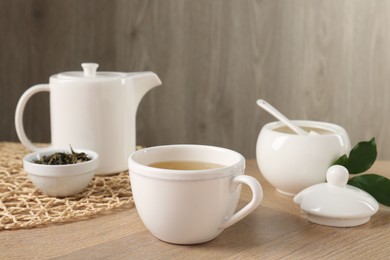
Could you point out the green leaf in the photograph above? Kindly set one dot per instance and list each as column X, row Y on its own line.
column 342, row 160
column 376, row 185
column 362, row 157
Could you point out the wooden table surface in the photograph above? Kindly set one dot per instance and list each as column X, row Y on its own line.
column 275, row 230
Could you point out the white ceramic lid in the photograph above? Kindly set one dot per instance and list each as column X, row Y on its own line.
column 89, row 73
column 335, row 203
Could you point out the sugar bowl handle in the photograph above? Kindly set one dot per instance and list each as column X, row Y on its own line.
column 257, row 196
column 20, row 111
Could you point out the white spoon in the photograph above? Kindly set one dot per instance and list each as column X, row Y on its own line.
column 273, row 111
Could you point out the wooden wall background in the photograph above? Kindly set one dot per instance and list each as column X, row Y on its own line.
column 319, row 60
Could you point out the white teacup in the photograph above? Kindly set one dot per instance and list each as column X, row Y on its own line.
column 292, row 162
column 190, row 206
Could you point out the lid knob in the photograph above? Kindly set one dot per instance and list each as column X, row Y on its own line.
column 337, row 175
column 89, row 69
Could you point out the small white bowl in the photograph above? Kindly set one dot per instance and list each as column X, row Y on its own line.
column 60, row 180
column 291, row 162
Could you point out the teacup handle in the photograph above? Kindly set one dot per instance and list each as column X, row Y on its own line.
column 20, row 111
column 257, row 196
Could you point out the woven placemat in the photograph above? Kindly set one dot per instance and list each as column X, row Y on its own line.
column 24, row 206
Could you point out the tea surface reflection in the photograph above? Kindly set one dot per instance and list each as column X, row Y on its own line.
column 185, row 165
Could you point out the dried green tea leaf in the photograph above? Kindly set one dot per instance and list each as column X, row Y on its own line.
column 63, row 158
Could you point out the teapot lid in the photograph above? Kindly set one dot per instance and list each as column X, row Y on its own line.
column 89, row 73
column 335, row 203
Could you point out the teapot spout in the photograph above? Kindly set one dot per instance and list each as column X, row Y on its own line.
column 142, row 83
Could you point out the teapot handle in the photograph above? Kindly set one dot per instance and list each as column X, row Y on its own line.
column 20, row 111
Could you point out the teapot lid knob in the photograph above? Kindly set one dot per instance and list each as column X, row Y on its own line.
column 89, row 69
column 337, row 175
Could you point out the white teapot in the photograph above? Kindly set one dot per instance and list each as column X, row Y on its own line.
column 92, row 110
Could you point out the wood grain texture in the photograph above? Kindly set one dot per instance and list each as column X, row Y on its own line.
column 318, row 60
column 275, row 230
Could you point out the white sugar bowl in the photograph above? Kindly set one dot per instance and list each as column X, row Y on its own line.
column 292, row 162
column 60, row 180
column 335, row 203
